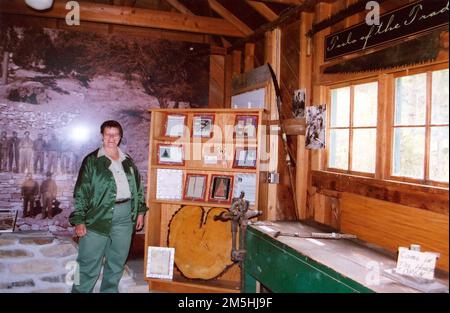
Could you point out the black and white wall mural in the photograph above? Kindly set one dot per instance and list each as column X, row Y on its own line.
column 56, row 89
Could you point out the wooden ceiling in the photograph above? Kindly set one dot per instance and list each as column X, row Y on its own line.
column 224, row 21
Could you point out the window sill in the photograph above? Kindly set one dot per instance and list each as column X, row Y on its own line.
column 424, row 197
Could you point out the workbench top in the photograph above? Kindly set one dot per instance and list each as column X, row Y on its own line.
column 351, row 258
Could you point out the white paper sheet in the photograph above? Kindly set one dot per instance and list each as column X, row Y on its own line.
column 160, row 262
column 175, row 125
column 169, row 184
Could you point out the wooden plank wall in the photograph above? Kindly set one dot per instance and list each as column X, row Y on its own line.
column 385, row 223
column 289, row 81
column 392, row 225
column 282, row 52
column 217, row 81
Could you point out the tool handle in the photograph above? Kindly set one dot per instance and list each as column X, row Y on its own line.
column 332, row 236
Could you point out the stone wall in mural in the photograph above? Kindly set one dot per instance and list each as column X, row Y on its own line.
column 58, row 89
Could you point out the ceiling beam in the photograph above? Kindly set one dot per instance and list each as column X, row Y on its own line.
column 125, row 3
column 264, row 10
column 288, row 2
column 179, row 6
column 227, row 15
column 289, row 14
column 102, row 28
column 129, row 16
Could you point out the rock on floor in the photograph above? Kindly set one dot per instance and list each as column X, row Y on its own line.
column 41, row 262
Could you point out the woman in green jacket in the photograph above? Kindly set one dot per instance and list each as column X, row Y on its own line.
column 109, row 205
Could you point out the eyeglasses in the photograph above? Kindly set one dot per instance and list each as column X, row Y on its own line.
column 112, row 135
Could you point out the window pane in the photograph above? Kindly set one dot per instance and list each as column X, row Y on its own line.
column 365, row 106
column 409, row 152
column 439, row 110
column 439, row 154
column 340, row 107
column 410, row 103
column 363, row 150
column 338, row 155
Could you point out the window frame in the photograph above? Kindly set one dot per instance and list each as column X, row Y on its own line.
column 385, row 121
column 428, row 70
column 351, row 84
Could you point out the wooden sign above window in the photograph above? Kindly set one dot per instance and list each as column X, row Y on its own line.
column 415, row 18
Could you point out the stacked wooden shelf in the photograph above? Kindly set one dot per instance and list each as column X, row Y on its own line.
column 216, row 156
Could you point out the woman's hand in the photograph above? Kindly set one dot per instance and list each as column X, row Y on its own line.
column 140, row 222
column 80, row 230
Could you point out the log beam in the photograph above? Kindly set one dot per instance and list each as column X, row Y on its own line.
column 103, row 28
column 227, row 15
column 289, row 15
column 182, row 9
column 131, row 16
column 249, row 58
column 237, row 55
column 287, row 2
column 126, row 3
column 179, row 7
column 264, row 10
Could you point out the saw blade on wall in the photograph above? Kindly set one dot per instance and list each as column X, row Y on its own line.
column 403, row 54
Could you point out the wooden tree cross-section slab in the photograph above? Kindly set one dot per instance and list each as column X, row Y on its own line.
column 202, row 245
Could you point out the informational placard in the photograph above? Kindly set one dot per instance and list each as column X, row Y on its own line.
column 247, row 184
column 160, row 262
column 210, row 159
column 415, row 263
column 169, row 184
column 175, row 125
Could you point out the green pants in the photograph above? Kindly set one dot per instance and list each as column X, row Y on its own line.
column 94, row 247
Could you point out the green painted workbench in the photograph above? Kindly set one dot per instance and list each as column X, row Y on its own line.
column 290, row 264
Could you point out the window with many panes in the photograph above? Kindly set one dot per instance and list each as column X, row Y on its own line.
column 420, row 134
column 353, row 128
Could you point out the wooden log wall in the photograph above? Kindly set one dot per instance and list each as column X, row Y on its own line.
column 217, row 78
column 289, row 81
column 377, row 210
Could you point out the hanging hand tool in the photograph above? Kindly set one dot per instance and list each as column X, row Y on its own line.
column 290, row 159
column 239, row 214
column 316, row 235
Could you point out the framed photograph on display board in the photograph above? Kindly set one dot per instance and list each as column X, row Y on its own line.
column 220, row 188
column 245, row 126
column 195, row 187
column 170, row 154
column 175, row 125
column 160, row 262
column 202, row 126
column 245, row 182
column 245, row 157
column 7, row 220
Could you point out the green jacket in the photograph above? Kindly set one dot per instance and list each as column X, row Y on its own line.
column 95, row 193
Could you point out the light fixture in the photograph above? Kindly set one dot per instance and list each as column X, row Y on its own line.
column 39, row 4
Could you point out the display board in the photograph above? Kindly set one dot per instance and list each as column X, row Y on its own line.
column 199, row 158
